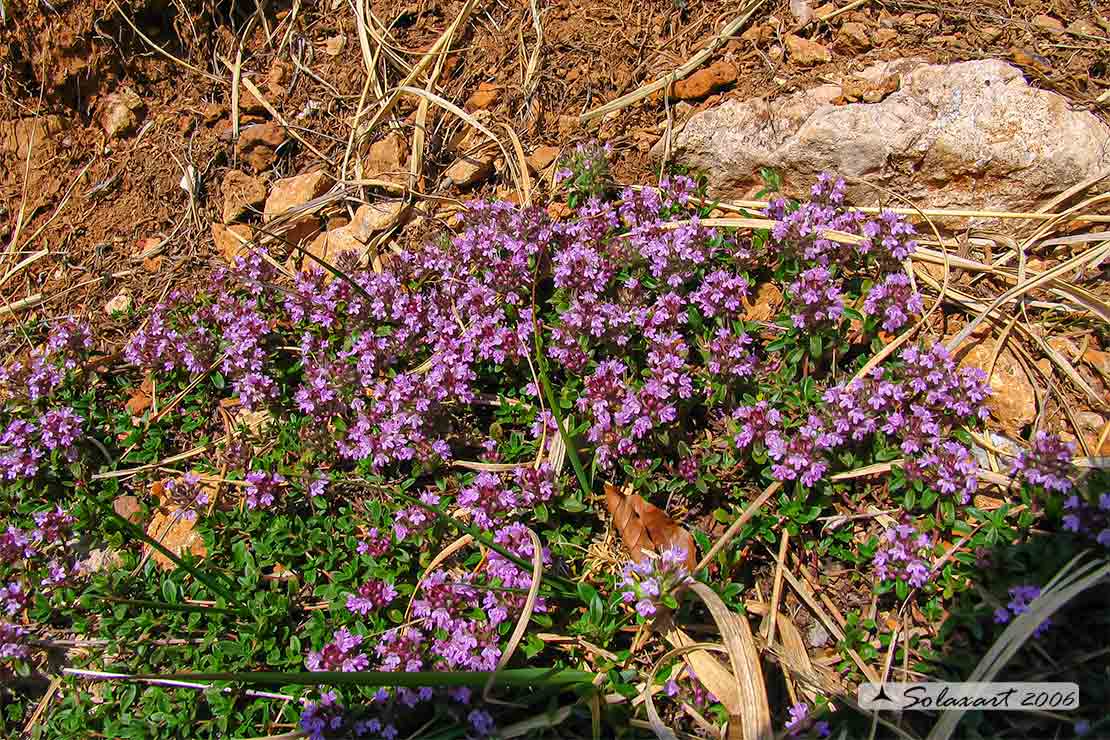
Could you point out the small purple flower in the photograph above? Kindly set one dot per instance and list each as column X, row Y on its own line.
column 1020, row 598
column 903, row 553
column 801, row 721
column 339, row 654
column 816, row 299
column 648, row 582
column 188, row 494
column 1047, row 463
column 13, row 598
column 261, row 488
column 371, row 596
column 13, row 642
column 893, row 299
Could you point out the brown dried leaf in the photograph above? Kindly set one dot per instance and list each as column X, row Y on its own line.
column 643, row 526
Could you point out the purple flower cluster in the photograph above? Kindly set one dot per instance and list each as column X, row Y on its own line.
column 801, row 455
column 187, row 494
column 895, row 300
column 919, row 404
column 341, row 654
column 46, row 367
column 375, row 544
column 754, row 423
column 59, row 429
column 13, row 642
column 371, row 596
column 261, row 488
column 171, row 339
column 816, row 297
column 1084, row 518
column 903, row 553
column 648, row 582
column 1020, row 598
column 948, row 467
column 1047, row 463
column 695, row 693
column 22, row 452
column 801, row 721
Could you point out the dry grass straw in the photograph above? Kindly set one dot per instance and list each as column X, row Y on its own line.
column 737, row 525
column 1074, row 578
column 416, row 161
column 692, row 64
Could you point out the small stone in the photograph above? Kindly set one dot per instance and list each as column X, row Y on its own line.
column 802, row 11
column 330, row 244
column 705, row 80
column 212, row 112
column 1026, row 58
column 884, row 36
column 101, row 559
column 484, row 97
column 1084, row 28
column 281, row 72
column 249, row 104
column 177, row 534
column 290, row 192
column 374, row 217
column 817, row 636
column 542, row 157
column 121, row 113
column 805, row 52
column 230, row 239
column 386, row 159
column 333, row 45
column 258, row 144
column 764, row 304
column 119, row 304
column 1100, row 361
column 854, row 36
column 1013, row 404
column 1048, row 23
column 128, row 507
column 469, row 170
column 886, row 20
column 758, row 34
column 242, row 194
column 990, row 34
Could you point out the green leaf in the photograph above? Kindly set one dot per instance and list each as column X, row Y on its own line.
column 815, row 346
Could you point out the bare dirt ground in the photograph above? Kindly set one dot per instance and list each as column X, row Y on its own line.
column 112, row 216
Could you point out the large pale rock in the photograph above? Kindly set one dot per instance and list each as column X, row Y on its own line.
column 968, row 135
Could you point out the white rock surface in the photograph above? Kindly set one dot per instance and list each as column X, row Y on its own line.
column 967, row 135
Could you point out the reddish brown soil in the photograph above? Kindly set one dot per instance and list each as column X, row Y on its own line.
column 95, row 203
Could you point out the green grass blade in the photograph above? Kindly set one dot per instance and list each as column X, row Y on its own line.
column 523, row 677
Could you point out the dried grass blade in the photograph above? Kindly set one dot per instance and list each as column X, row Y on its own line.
column 1075, row 263
column 755, row 714
column 655, row 721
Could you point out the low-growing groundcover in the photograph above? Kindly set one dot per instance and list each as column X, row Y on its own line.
column 377, row 464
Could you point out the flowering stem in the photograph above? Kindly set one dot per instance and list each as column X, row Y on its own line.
column 564, row 584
